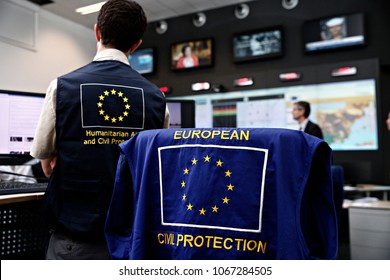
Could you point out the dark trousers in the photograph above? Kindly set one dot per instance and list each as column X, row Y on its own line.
column 62, row 247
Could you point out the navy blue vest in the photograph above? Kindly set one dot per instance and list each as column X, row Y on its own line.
column 223, row 194
column 98, row 107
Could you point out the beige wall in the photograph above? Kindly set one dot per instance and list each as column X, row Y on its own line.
column 61, row 46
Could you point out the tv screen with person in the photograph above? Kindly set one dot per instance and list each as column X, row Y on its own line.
column 334, row 33
column 192, row 54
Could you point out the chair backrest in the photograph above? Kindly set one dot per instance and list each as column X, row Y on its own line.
column 223, row 194
column 338, row 188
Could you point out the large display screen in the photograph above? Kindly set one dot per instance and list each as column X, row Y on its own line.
column 345, row 111
column 334, row 33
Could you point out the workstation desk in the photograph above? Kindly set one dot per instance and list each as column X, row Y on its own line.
column 368, row 189
column 24, row 234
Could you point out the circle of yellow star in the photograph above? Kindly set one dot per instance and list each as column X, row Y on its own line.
column 225, row 200
column 219, row 163
column 109, row 117
column 202, row 211
column 194, row 161
column 186, row 171
column 228, row 173
column 215, row 208
column 207, row 158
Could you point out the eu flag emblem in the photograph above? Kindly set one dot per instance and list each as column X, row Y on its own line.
column 212, row 186
column 112, row 106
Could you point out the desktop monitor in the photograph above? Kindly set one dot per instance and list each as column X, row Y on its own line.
column 19, row 114
column 182, row 113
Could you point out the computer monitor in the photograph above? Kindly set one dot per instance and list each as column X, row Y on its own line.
column 182, row 113
column 19, row 114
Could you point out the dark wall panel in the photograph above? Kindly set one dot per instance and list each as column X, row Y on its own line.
column 221, row 25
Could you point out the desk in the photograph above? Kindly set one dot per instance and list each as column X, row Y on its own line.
column 24, row 233
column 368, row 189
column 369, row 228
column 21, row 197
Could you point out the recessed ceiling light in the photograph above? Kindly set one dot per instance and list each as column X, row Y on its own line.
column 90, row 8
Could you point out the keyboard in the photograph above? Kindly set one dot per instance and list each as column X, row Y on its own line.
column 12, row 187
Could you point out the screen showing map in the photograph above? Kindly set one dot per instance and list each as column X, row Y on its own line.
column 345, row 111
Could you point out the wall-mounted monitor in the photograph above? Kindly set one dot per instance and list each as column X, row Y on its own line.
column 258, row 44
column 192, row 54
column 345, row 111
column 143, row 60
column 182, row 113
column 19, row 115
column 334, row 33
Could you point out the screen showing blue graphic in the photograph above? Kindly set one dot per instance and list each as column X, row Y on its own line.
column 143, row 61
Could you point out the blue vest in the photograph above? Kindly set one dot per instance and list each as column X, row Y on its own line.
column 98, row 106
column 223, row 194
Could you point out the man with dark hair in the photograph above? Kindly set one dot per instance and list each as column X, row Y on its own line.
column 301, row 112
column 86, row 114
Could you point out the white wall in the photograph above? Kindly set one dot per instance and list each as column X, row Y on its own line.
column 61, row 46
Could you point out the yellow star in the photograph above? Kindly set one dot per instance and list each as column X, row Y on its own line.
column 186, row 171
column 189, row 206
column 215, row 208
column 207, row 158
column 101, row 112
column 194, row 161
column 107, row 117
column 184, row 197
column 219, row 163
column 225, row 200
column 228, row 173
column 230, row 187
column 125, row 113
column 120, row 118
column 113, row 91
column 202, row 211
column 106, row 93
column 127, row 106
column 120, row 94
column 183, row 184
column 113, row 120
column 125, row 99
column 101, row 97
column 100, row 104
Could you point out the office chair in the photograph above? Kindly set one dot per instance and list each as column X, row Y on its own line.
column 223, row 194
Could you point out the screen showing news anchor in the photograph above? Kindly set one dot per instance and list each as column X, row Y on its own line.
column 192, row 54
column 334, row 32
